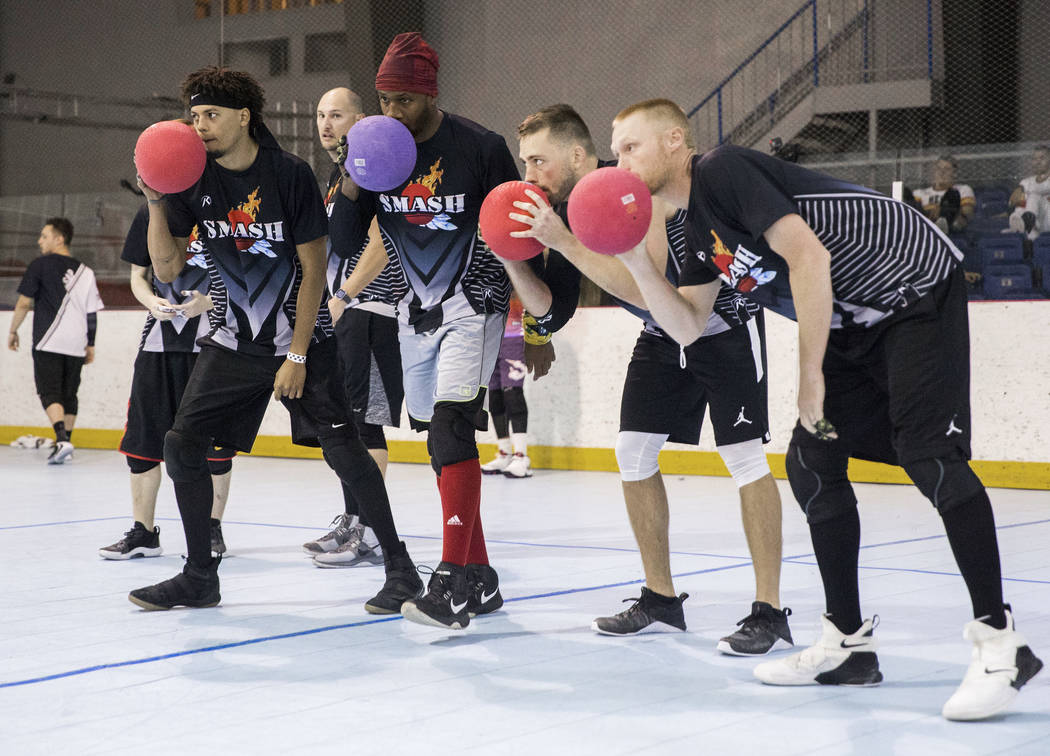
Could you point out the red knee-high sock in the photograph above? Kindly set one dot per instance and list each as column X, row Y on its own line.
column 460, row 499
column 477, row 554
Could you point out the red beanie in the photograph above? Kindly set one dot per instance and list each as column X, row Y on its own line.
column 410, row 65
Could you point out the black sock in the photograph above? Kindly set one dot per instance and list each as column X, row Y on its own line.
column 660, row 598
column 350, row 460
column 195, row 500
column 971, row 533
column 836, row 544
column 349, row 502
column 61, row 434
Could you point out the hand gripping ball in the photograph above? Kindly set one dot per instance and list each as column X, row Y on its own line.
column 609, row 210
column 380, row 153
column 496, row 227
column 170, row 156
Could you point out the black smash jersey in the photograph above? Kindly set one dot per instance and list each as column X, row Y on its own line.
column 431, row 224
column 177, row 334
column 64, row 294
column 249, row 223
column 344, row 251
column 884, row 254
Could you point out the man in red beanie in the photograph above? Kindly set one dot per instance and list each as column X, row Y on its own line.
column 451, row 318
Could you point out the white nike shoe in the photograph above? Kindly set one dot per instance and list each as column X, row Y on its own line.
column 835, row 659
column 63, row 451
column 497, row 465
column 1001, row 663
column 520, row 467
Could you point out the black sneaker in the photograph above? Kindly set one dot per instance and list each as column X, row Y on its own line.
column 402, row 584
column 195, row 587
column 445, row 602
column 483, row 596
column 764, row 630
column 137, row 542
column 650, row 613
column 218, row 546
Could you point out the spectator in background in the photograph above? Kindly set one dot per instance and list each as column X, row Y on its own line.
column 1031, row 199
column 65, row 296
column 948, row 204
column 507, row 401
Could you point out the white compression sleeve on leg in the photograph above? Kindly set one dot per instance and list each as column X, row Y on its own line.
column 637, row 453
column 746, row 461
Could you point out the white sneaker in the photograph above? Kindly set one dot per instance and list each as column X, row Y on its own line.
column 836, row 659
column 360, row 550
column 519, row 467
column 63, row 450
column 1002, row 663
column 498, row 465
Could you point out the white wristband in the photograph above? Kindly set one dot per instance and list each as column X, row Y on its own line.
column 299, row 359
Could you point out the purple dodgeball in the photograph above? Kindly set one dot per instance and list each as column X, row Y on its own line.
column 381, row 153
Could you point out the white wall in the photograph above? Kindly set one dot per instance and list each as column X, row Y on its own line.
column 577, row 405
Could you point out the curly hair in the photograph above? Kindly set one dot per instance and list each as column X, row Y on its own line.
column 236, row 86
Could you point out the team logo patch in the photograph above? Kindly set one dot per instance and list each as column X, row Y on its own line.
column 739, row 268
column 422, row 205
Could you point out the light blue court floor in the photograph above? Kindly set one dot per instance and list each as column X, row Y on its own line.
column 291, row 663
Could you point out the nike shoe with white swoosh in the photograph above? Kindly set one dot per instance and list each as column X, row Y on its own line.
column 835, row 659
column 483, row 596
column 650, row 613
column 1002, row 662
column 445, row 602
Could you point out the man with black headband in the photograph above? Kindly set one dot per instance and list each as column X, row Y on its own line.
column 452, row 315
column 262, row 229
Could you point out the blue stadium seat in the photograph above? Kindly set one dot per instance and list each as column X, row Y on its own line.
column 1041, row 251
column 984, row 225
column 996, row 207
column 1008, row 281
column 990, row 195
column 1001, row 248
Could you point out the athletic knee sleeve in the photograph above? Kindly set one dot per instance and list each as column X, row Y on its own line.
column 817, row 475
column 946, row 482
column 71, row 404
column 185, row 456
column 452, row 432
column 746, row 461
column 372, row 435
column 220, row 466
column 139, row 466
column 345, row 453
column 637, row 454
column 516, row 408
column 496, row 406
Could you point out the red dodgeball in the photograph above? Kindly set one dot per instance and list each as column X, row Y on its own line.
column 170, row 157
column 496, row 227
column 610, row 210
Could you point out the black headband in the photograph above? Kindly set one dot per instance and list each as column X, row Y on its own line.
column 214, row 98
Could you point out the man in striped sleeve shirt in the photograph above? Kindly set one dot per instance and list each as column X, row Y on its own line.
column 880, row 301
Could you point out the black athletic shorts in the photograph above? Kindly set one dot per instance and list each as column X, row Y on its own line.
column 726, row 372
column 900, row 391
column 57, row 378
column 370, row 358
column 228, row 392
column 157, row 386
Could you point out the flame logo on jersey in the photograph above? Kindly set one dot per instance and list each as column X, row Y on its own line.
column 247, row 233
column 740, row 268
column 195, row 249
column 421, row 204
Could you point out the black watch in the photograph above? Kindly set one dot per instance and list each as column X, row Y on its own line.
column 341, row 294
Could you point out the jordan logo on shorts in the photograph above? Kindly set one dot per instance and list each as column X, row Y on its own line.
column 741, row 419
column 952, row 427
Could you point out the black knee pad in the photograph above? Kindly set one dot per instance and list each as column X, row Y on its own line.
column 139, row 466
column 516, row 408
column 816, row 471
column 372, row 435
column 946, row 481
column 220, row 466
column 185, row 456
column 452, row 432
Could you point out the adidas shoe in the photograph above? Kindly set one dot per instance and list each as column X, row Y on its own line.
column 1002, row 663
column 650, row 613
column 836, row 659
column 63, row 450
column 445, row 602
column 497, row 465
column 218, row 545
column 762, row 631
column 356, row 552
column 402, row 584
column 336, row 537
column 196, row 587
column 137, row 542
column 483, row 596
column 519, row 467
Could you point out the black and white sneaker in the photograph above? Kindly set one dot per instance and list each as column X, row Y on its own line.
column 62, row 452
column 483, row 596
column 402, row 584
column 342, row 530
column 218, row 545
column 445, row 602
column 835, row 659
column 196, row 587
column 137, row 542
column 650, row 613
column 762, row 631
